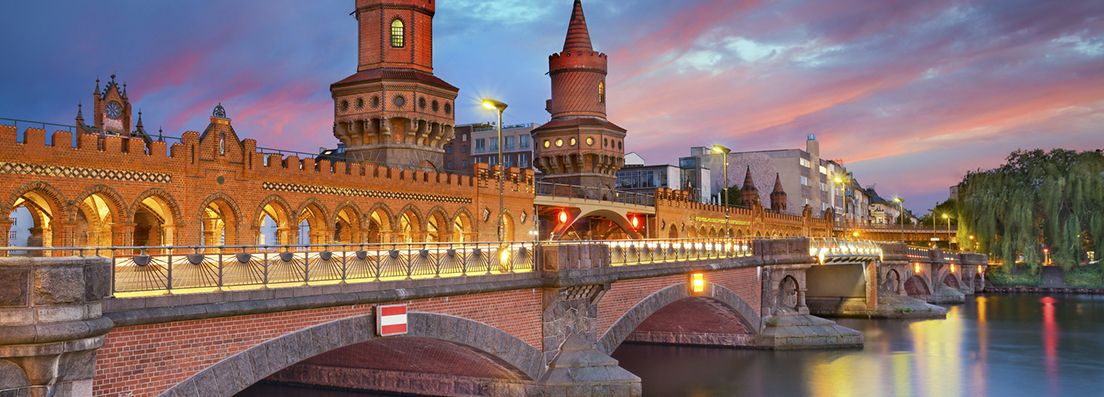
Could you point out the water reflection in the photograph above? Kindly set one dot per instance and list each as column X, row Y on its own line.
column 995, row 345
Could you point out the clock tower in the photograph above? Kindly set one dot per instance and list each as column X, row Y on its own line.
column 579, row 146
column 111, row 113
column 393, row 110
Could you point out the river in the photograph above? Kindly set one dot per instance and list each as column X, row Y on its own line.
column 1023, row 345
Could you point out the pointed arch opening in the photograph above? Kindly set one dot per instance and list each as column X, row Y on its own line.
column 379, row 226
column 155, row 222
column 410, row 227
column 347, row 227
column 437, row 227
column 462, row 228
column 35, row 213
column 94, row 221
column 218, row 223
column 311, row 221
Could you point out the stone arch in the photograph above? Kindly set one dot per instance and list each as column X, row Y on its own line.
column 917, row 286
column 279, row 211
column 347, row 223
column 437, row 226
column 408, row 224
column 47, row 206
column 463, row 226
column 508, row 226
column 673, row 232
column 651, row 304
column 378, row 223
column 219, row 208
column 311, row 222
column 614, row 218
column 951, row 280
column 156, row 217
column 95, row 215
column 892, row 282
column 239, row 371
column 789, row 294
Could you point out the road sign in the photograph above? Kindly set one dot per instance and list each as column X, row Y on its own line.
column 390, row 320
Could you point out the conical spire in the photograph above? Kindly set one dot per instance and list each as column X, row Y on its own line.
column 748, row 183
column 80, row 113
column 778, row 199
column 97, row 90
column 778, row 184
column 139, row 125
column 578, row 37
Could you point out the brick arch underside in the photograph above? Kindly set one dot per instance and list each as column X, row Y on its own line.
column 238, row 372
column 665, row 297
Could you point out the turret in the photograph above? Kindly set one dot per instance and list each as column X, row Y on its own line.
column 778, row 196
column 749, row 194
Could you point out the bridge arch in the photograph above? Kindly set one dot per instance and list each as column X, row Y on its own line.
column 219, row 218
column 378, row 221
column 239, row 371
column 620, row 223
column 892, row 281
column 45, row 203
column 94, row 215
column 917, row 286
column 653, row 303
column 273, row 221
column 348, row 224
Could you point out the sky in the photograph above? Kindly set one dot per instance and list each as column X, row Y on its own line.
column 909, row 95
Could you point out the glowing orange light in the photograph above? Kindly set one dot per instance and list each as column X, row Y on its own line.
column 916, row 268
column 697, row 283
column 563, row 216
column 952, row 268
column 635, row 220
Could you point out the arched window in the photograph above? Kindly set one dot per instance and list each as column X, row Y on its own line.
column 602, row 92
column 398, row 34
column 222, row 143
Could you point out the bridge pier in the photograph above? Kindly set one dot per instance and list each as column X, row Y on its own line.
column 51, row 325
column 787, row 323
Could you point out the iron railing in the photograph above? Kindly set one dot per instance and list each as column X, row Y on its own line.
column 205, row 269
column 594, row 193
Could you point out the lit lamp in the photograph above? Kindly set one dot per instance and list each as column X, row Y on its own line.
column 916, row 268
column 724, row 151
column 697, row 283
column 491, row 104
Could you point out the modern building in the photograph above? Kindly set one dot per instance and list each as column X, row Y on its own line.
column 638, row 177
column 517, row 145
column 478, row 143
column 799, row 171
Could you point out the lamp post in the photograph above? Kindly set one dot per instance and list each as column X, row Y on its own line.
column 499, row 106
column 948, row 219
column 724, row 151
column 901, row 204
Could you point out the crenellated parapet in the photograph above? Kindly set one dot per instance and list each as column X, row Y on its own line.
column 691, row 218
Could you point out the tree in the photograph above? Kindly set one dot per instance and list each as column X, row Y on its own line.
column 1036, row 200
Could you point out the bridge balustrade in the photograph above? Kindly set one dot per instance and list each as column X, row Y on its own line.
column 644, row 252
column 144, row 270
column 832, row 250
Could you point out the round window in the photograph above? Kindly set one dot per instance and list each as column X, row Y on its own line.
column 547, row 143
column 448, row 108
column 435, row 106
column 344, row 105
column 421, row 103
column 559, row 143
column 590, row 141
column 360, row 103
column 574, row 141
column 375, row 102
column 399, row 101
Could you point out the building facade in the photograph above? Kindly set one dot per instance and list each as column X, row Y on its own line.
column 638, row 177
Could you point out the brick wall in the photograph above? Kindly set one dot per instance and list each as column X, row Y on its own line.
column 147, row 359
column 623, row 295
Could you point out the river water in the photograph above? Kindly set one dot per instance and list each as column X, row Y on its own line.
column 1023, row 345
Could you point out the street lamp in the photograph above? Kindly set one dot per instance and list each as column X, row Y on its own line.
column 901, row 204
column 842, row 182
column 491, row 104
column 948, row 219
column 724, row 151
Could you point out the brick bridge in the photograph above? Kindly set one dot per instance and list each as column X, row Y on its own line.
column 483, row 319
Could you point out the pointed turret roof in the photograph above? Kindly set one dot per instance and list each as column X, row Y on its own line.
column 578, row 36
column 778, row 184
column 748, row 182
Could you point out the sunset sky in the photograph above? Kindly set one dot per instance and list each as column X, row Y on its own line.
column 908, row 94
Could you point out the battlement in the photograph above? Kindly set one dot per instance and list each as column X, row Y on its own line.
column 191, row 152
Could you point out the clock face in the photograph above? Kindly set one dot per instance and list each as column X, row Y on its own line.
column 114, row 110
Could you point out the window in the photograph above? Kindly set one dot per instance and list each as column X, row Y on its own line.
column 464, row 138
column 398, row 34
column 804, row 181
column 524, row 163
column 222, row 143
column 480, row 144
column 602, row 92
column 494, row 144
column 805, row 163
column 823, row 170
column 509, row 142
column 526, row 141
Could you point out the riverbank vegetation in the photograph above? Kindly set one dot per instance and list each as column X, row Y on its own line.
column 1038, row 208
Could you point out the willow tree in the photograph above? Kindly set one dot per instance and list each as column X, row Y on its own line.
column 1036, row 201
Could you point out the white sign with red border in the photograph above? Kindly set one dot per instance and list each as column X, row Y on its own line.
column 391, row 320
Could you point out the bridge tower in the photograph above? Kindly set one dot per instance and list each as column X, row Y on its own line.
column 579, row 146
column 394, row 111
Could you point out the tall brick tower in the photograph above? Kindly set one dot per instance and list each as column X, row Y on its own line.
column 394, row 111
column 579, row 146
column 749, row 194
